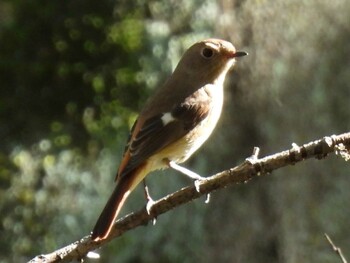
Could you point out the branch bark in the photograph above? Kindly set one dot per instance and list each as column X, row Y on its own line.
column 251, row 168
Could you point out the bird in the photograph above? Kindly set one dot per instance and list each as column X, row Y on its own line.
column 173, row 124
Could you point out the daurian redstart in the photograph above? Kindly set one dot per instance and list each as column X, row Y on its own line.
column 174, row 123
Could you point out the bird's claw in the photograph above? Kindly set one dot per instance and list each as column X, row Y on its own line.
column 149, row 205
column 207, row 199
column 197, row 185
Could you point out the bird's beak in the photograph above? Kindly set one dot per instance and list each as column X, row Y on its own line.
column 239, row 54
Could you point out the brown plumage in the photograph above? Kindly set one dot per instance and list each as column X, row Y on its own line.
column 174, row 123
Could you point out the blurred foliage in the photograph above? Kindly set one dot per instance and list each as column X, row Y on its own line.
column 73, row 76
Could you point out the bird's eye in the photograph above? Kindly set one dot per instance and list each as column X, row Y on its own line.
column 207, row 52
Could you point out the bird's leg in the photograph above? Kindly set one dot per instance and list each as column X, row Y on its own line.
column 190, row 174
column 150, row 201
column 185, row 171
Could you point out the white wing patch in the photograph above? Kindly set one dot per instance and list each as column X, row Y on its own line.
column 167, row 118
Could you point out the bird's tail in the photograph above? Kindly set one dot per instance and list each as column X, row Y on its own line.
column 110, row 212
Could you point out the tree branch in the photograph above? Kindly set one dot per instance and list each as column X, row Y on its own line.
column 252, row 167
column 336, row 249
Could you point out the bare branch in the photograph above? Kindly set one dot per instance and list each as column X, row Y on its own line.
column 252, row 167
column 336, row 249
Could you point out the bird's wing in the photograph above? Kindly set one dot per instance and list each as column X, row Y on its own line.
column 153, row 134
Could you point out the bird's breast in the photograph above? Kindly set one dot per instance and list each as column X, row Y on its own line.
column 180, row 150
column 196, row 137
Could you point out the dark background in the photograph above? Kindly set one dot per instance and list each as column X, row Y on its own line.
column 73, row 75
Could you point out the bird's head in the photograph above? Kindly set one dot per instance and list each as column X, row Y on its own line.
column 210, row 58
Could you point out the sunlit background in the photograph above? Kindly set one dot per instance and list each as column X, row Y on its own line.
column 73, row 75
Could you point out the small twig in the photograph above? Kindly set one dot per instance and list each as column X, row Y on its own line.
column 336, row 249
